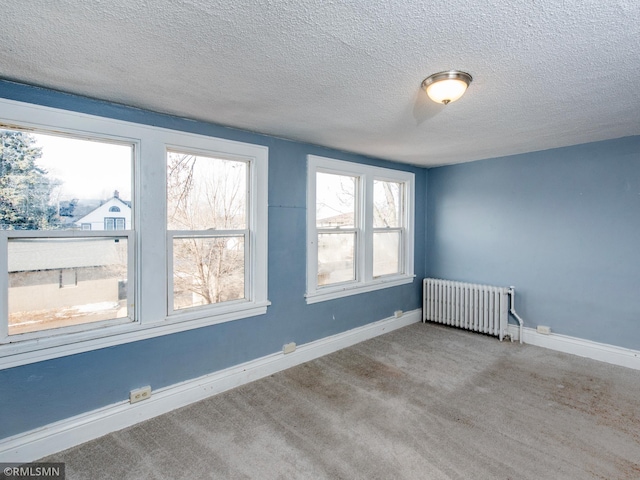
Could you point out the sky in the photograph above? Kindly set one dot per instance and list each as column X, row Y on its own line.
column 88, row 169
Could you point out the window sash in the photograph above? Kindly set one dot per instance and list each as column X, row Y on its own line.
column 7, row 235
column 397, row 211
column 355, row 249
column 401, row 251
column 354, row 211
column 250, row 184
column 206, row 234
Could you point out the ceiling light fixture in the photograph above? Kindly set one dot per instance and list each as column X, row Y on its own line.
column 446, row 87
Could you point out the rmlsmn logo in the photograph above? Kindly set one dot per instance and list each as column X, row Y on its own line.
column 32, row 471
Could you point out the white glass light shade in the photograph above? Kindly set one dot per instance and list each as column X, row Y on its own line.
column 446, row 87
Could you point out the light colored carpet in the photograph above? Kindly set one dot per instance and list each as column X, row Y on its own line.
column 423, row 402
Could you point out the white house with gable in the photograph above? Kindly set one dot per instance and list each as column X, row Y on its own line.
column 114, row 214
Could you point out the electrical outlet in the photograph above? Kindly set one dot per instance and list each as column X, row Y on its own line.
column 543, row 329
column 398, row 313
column 289, row 348
column 139, row 394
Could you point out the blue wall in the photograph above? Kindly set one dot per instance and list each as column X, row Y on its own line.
column 562, row 226
column 38, row 394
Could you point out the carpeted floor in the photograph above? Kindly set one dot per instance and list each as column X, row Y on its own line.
column 423, row 402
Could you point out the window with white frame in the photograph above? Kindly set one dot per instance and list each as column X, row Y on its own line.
column 208, row 231
column 45, row 251
column 73, row 279
column 359, row 228
column 114, row 223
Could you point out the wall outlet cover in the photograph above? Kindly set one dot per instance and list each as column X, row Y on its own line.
column 140, row 394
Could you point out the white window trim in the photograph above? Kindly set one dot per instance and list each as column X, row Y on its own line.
column 364, row 276
column 149, row 301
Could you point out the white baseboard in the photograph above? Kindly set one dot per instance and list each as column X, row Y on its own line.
column 603, row 352
column 58, row 436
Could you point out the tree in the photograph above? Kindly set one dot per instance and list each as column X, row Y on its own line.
column 24, row 187
column 67, row 208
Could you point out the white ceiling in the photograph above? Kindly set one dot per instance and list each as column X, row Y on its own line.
column 347, row 74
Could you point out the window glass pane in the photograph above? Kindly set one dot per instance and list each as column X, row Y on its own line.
column 336, row 257
column 60, row 282
column 335, row 200
column 50, row 182
column 386, row 253
column 387, row 204
column 207, row 270
column 205, row 193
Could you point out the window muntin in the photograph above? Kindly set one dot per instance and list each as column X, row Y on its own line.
column 359, row 228
column 48, row 183
column 207, row 224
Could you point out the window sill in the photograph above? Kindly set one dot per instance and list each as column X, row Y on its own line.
column 331, row 293
column 55, row 346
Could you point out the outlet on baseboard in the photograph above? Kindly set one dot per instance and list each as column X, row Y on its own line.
column 398, row 313
column 543, row 329
column 140, row 394
column 289, row 347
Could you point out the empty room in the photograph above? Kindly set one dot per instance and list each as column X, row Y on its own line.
column 316, row 239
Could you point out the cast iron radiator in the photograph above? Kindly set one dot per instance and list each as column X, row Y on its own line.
column 480, row 308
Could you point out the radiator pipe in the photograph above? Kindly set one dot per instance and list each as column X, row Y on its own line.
column 512, row 296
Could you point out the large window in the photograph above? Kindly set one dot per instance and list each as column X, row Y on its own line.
column 359, row 230
column 112, row 232
column 208, row 229
column 48, row 182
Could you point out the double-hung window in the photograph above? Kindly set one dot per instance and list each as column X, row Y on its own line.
column 359, row 228
column 215, row 229
column 47, row 181
column 112, row 232
column 208, row 230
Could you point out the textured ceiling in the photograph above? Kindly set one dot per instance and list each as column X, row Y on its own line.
column 347, row 74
